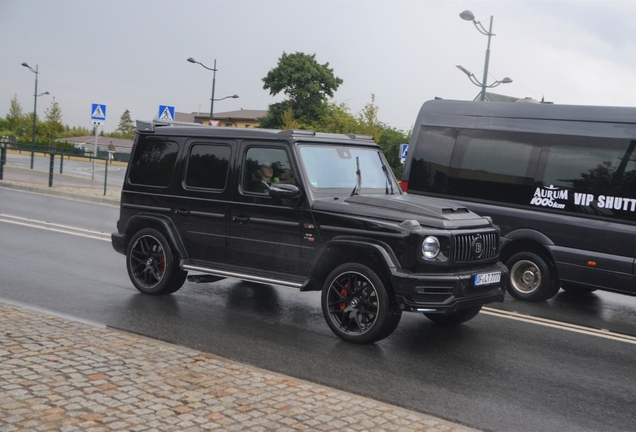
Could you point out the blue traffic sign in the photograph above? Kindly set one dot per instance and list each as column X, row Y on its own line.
column 166, row 113
column 98, row 114
column 403, row 149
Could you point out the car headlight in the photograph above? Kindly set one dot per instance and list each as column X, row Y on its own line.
column 430, row 248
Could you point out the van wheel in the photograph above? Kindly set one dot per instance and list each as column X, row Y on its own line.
column 457, row 317
column 531, row 277
column 576, row 289
column 356, row 305
column 151, row 264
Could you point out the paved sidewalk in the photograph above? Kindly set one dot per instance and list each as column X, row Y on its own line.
column 66, row 375
column 64, row 185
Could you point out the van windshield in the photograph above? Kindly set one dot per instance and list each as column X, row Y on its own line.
column 333, row 169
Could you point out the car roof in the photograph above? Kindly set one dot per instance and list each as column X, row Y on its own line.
column 198, row 130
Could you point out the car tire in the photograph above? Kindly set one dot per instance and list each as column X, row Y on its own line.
column 532, row 277
column 151, row 264
column 357, row 306
column 457, row 317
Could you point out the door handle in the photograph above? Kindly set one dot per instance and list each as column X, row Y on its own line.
column 182, row 212
column 241, row 220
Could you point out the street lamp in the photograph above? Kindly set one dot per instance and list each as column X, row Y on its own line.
column 227, row 97
column 35, row 106
column 468, row 16
column 191, row 60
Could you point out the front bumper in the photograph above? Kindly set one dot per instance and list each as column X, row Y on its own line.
column 447, row 292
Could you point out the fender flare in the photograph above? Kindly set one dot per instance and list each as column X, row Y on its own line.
column 318, row 270
column 168, row 228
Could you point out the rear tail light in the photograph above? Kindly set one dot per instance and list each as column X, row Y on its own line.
column 404, row 185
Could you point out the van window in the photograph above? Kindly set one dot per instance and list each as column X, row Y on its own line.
column 431, row 159
column 493, row 165
column 208, row 166
column 153, row 162
column 593, row 166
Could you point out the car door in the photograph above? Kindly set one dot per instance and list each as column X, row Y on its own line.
column 265, row 232
column 201, row 212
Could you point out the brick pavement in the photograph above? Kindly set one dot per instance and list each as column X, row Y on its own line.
column 60, row 374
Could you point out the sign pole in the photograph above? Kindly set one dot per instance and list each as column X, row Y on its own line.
column 98, row 118
column 95, row 151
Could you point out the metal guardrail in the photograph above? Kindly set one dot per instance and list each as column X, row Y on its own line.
column 52, row 152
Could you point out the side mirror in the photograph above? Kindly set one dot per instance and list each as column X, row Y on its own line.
column 284, row 191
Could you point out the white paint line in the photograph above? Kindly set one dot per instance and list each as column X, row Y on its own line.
column 49, row 227
column 559, row 325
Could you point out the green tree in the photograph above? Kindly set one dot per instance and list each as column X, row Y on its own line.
column 53, row 127
column 368, row 123
column 126, row 126
column 16, row 119
column 335, row 118
column 390, row 141
column 305, row 82
column 75, row 131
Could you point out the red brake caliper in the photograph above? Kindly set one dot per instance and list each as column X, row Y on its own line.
column 343, row 292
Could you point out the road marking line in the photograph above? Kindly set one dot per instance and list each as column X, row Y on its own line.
column 49, row 223
column 49, row 226
column 559, row 325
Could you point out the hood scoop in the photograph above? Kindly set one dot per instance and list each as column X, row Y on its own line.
column 414, row 205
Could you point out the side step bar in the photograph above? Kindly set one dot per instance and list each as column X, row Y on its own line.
column 221, row 274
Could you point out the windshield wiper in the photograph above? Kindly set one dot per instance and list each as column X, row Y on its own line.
column 358, row 187
column 388, row 177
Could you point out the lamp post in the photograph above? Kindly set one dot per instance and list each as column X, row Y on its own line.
column 468, row 16
column 191, row 60
column 35, row 106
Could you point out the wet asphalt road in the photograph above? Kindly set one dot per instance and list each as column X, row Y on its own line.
column 492, row 373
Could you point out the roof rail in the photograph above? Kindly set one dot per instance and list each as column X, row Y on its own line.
column 149, row 126
column 360, row 137
column 311, row 133
column 290, row 132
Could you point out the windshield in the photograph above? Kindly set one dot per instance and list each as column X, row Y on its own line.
column 335, row 167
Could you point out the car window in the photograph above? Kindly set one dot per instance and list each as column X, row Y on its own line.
column 264, row 167
column 335, row 167
column 153, row 162
column 208, row 166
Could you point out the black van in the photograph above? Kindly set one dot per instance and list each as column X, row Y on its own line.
column 560, row 181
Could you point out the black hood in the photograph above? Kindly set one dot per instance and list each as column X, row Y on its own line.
column 430, row 212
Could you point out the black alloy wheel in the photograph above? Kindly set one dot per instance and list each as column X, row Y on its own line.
column 151, row 264
column 356, row 305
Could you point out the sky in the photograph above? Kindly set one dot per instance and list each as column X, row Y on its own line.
column 131, row 54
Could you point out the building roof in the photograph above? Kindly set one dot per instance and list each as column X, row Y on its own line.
column 241, row 115
column 245, row 115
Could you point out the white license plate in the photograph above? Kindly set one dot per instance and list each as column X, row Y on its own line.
column 487, row 278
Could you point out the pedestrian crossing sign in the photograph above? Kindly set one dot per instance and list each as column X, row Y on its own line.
column 98, row 114
column 166, row 113
column 403, row 149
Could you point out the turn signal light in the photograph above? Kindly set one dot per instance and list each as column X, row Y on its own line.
column 591, row 263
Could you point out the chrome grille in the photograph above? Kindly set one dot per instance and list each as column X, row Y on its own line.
column 466, row 248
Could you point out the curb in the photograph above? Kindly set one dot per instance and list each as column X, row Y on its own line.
column 45, row 190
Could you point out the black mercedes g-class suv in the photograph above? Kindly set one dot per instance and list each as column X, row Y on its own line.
column 301, row 209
